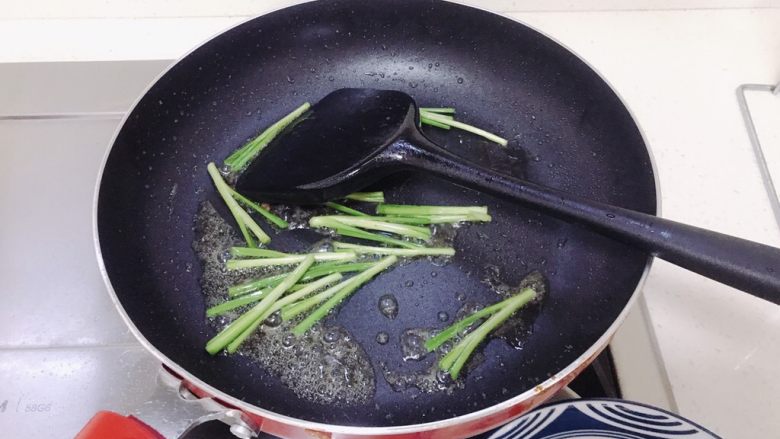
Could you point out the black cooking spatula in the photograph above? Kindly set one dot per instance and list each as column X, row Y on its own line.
column 354, row 137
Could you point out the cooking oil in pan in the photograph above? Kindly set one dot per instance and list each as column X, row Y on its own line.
column 213, row 239
column 325, row 365
column 428, row 380
column 514, row 331
column 413, row 343
column 388, row 306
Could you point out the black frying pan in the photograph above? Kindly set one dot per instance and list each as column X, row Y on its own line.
column 568, row 130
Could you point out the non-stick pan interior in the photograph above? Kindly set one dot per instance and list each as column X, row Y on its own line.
column 567, row 129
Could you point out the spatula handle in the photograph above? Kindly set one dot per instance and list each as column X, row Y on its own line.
column 742, row 264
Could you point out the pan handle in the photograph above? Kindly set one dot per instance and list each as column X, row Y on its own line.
column 171, row 412
column 746, row 265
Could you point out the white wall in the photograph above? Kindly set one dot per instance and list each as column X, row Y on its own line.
column 21, row 9
column 103, row 30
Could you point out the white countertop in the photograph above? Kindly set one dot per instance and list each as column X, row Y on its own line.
column 678, row 71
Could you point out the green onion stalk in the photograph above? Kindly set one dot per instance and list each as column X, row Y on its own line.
column 412, row 210
column 354, row 283
column 239, row 264
column 238, row 326
column 239, row 159
column 354, row 232
column 303, row 292
column 335, row 221
column 456, row 358
column 367, row 197
column 314, row 272
column 447, row 121
column 344, row 209
column 244, row 221
column 270, row 216
column 409, row 252
column 433, row 219
column 438, row 110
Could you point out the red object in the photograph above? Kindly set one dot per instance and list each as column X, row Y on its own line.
column 110, row 425
column 106, row 424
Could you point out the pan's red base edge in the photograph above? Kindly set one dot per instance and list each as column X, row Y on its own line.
column 452, row 431
column 462, row 429
column 106, row 424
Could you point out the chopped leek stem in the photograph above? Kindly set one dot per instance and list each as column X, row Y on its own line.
column 303, row 292
column 424, row 251
column 441, row 118
column 368, row 197
column 439, row 110
column 248, row 252
column 314, row 272
column 242, row 217
column 238, row 264
column 456, row 358
column 344, row 209
column 371, row 224
column 354, row 283
column 410, row 210
column 426, row 121
column 232, row 304
column 294, row 309
column 234, row 329
column 240, row 158
column 354, row 232
column 270, row 216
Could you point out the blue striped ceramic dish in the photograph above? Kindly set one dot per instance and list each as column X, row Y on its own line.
column 601, row 418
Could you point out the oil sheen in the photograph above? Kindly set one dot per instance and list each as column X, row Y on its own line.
column 325, row 365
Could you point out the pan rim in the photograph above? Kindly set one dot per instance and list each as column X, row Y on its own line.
column 551, row 382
